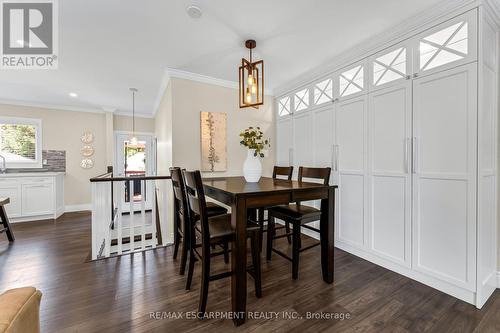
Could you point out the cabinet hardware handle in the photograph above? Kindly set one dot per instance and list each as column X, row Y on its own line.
column 406, row 158
column 415, row 75
column 333, row 157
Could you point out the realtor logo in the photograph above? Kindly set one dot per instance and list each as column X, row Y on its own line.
column 29, row 37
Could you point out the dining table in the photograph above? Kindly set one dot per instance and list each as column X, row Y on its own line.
column 244, row 197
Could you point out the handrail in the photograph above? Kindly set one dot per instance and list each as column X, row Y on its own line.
column 105, row 178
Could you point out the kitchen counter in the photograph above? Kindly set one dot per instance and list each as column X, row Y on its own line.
column 32, row 174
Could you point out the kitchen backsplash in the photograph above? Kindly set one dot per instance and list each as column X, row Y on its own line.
column 54, row 160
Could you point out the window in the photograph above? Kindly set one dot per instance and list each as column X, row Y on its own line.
column 389, row 67
column 444, row 46
column 323, row 92
column 351, row 81
column 20, row 142
column 284, row 106
column 301, row 99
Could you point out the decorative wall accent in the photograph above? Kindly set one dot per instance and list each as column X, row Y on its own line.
column 54, row 160
column 213, row 141
column 87, row 150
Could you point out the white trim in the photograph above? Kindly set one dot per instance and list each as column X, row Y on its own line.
column 443, row 11
column 37, row 163
column 51, row 106
column 129, row 115
column 130, row 132
column 77, row 208
column 180, row 74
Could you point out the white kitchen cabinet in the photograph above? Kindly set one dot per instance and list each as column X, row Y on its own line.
column 284, row 143
column 444, row 175
column 350, row 169
column 414, row 140
column 33, row 196
column 11, row 188
column 389, row 218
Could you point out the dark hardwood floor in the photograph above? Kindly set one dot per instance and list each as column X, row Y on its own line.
column 119, row 294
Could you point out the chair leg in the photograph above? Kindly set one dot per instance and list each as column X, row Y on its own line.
column 270, row 235
column 176, row 243
column 6, row 224
column 225, row 246
column 287, row 230
column 184, row 254
column 295, row 250
column 189, row 279
column 205, row 276
column 256, row 264
column 261, row 228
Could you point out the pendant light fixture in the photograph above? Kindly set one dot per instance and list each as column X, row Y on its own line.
column 251, row 78
column 133, row 138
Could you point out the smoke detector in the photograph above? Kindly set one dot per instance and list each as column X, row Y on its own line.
column 193, row 11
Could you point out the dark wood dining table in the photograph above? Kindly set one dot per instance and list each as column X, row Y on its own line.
column 242, row 197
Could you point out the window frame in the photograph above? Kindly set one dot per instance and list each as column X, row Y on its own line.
column 409, row 65
column 37, row 163
column 337, row 93
column 278, row 104
column 470, row 18
column 306, row 101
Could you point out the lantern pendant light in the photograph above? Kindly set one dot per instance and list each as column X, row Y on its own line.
column 133, row 139
column 251, row 79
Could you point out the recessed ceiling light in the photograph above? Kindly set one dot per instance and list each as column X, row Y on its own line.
column 193, row 11
column 72, row 94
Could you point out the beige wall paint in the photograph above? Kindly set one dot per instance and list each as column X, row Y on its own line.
column 190, row 98
column 124, row 123
column 62, row 131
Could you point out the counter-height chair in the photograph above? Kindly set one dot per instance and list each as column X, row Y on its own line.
column 278, row 173
column 181, row 220
column 298, row 215
column 214, row 230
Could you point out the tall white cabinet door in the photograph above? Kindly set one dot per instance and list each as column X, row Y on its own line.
column 444, row 179
column 322, row 148
column 389, row 218
column 284, row 142
column 350, row 132
column 302, row 141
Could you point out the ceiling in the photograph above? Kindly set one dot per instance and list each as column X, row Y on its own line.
column 108, row 46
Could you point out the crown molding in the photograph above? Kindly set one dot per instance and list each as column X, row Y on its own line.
column 52, row 106
column 444, row 10
column 69, row 108
column 493, row 8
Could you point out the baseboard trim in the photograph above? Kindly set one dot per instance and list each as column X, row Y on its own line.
column 76, row 208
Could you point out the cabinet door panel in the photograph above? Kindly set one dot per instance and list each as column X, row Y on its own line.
column 389, row 186
column 444, row 181
column 38, row 199
column 323, row 137
column 284, row 142
column 302, row 141
column 350, row 132
column 13, row 192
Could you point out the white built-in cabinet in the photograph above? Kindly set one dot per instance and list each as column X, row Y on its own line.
column 33, row 196
column 410, row 133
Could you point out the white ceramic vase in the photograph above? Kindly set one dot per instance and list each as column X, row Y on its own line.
column 252, row 168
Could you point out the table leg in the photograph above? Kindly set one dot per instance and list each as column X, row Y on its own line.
column 327, row 227
column 239, row 261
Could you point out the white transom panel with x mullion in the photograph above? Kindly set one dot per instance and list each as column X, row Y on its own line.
column 410, row 132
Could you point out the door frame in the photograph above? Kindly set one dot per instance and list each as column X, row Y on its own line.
column 150, row 167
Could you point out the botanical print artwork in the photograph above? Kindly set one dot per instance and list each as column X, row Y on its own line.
column 213, row 141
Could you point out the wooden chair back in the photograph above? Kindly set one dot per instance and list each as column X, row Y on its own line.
column 283, row 171
column 196, row 202
column 315, row 173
